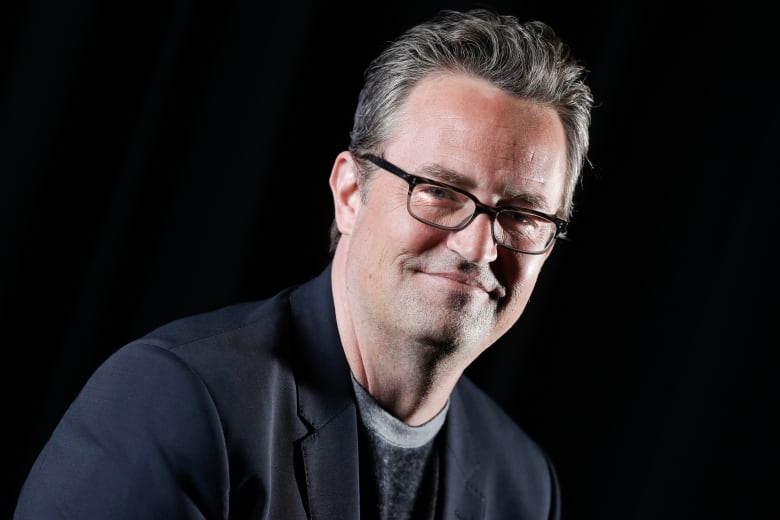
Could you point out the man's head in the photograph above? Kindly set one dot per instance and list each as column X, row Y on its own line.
column 499, row 112
column 526, row 60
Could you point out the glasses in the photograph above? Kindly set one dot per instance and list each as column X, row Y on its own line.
column 447, row 207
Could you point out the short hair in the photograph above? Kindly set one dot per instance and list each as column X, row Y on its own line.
column 527, row 60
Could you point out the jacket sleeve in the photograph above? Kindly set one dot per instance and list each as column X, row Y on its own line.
column 555, row 499
column 141, row 440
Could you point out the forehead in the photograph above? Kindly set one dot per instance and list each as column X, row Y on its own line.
column 471, row 129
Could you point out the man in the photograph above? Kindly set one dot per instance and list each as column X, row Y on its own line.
column 345, row 396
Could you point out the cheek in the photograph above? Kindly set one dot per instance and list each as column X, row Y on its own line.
column 385, row 230
column 393, row 230
column 520, row 281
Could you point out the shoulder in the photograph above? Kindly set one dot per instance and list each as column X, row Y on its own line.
column 242, row 349
column 235, row 350
column 513, row 469
column 254, row 326
column 231, row 321
column 487, row 420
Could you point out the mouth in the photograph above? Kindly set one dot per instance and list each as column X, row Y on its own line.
column 466, row 282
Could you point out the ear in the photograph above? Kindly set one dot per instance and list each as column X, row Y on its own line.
column 346, row 191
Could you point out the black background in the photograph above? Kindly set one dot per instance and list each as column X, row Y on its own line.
column 165, row 159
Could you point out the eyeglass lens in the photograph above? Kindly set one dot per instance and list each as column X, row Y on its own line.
column 450, row 209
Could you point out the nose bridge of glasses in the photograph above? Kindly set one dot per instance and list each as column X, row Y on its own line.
column 473, row 221
column 480, row 208
column 476, row 238
column 492, row 215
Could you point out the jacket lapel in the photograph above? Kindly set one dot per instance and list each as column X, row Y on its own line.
column 331, row 468
column 326, row 404
column 461, row 496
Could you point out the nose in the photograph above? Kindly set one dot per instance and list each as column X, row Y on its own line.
column 475, row 242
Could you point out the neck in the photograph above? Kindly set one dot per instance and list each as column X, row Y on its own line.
column 412, row 388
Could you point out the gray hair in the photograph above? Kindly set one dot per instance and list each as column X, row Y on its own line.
column 527, row 60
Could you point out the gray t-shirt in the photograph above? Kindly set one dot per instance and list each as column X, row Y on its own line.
column 399, row 463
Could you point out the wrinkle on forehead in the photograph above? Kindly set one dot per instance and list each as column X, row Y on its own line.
column 515, row 153
column 472, row 134
column 513, row 193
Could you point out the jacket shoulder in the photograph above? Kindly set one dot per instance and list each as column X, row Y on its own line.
column 228, row 321
column 514, row 471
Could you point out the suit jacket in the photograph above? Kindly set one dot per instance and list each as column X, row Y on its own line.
column 248, row 412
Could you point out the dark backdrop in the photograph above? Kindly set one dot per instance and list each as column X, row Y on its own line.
column 168, row 159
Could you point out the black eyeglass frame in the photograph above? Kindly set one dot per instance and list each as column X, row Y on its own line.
column 561, row 225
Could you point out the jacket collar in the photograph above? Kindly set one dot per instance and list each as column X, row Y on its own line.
column 325, row 403
column 321, row 370
column 463, row 497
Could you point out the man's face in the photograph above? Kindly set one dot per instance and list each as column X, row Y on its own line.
column 455, row 290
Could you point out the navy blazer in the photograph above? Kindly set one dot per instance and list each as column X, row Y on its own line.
column 248, row 412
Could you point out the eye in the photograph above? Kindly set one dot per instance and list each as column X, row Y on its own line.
column 437, row 192
column 518, row 218
column 434, row 194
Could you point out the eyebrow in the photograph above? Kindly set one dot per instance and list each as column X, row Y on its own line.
column 513, row 197
column 449, row 176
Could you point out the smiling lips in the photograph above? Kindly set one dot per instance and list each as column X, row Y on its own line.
column 489, row 286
